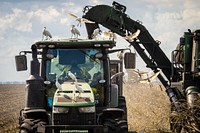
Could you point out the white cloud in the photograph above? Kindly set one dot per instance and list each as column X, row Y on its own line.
column 71, row 7
column 165, row 3
column 1, row 38
column 191, row 15
column 177, row 21
column 67, row 4
column 18, row 20
column 47, row 15
column 66, row 21
column 96, row 2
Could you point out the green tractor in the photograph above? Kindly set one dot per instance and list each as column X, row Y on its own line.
column 70, row 88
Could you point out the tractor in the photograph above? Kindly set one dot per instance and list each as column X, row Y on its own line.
column 70, row 88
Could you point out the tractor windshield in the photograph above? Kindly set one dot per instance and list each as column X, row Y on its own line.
column 82, row 63
column 85, row 64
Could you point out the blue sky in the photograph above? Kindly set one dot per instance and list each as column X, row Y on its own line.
column 22, row 21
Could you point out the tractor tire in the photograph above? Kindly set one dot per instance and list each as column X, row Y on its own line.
column 111, row 125
column 32, row 126
column 122, row 126
column 122, row 105
column 116, row 126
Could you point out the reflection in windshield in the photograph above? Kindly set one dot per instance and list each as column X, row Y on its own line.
column 79, row 62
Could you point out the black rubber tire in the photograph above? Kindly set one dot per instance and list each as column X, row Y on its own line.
column 111, row 124
column 116, row 126
column 122, row 126
column 31, row 125
column 122, row 105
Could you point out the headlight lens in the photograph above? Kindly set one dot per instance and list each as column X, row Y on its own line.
column 51, row 46
column 87, row 109
column 60, row 110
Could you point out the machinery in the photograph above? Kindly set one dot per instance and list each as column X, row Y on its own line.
column 58, row 100
column 180, row 76
column 70, row 88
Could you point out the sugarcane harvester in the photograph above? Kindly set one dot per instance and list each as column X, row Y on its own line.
column 180, row 76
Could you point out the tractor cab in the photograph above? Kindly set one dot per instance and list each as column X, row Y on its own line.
column 78, row 67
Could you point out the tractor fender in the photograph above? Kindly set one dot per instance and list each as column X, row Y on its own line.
column 113, row 113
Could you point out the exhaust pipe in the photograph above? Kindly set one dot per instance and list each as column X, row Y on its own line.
column 35, row 91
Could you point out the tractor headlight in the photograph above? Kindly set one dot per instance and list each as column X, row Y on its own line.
column 87, row 109
column 60, row 110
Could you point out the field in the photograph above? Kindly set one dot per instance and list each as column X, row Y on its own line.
column 11, row 102
column 148, row 107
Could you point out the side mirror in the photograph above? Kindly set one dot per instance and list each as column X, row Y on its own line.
column 129, row 60
column 21, row 62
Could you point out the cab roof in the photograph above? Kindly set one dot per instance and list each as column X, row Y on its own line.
column 75, row 43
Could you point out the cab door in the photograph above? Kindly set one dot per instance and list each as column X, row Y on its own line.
column 116, row 67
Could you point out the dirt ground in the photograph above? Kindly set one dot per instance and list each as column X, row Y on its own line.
column 11, row 102
column 148, row 107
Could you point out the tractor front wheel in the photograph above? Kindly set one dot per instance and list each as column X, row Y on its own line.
column 122, row 126
column 32, row 126
column 116, row 126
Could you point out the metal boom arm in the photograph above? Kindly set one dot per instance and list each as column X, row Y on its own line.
column 117, row 21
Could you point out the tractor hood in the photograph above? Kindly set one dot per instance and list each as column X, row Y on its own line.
column 74, row 94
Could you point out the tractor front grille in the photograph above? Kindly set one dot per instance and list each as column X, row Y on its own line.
column 74, row 117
